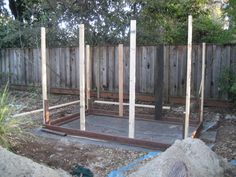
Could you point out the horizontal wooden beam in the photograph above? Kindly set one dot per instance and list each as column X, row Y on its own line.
column 144, row 117
column 127, row 104
column 118, row 139
column 41, row 110
column 139, row 96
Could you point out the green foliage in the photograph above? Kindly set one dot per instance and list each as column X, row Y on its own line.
column 166, row 22
column 231, row 12
column 4, row 114
column 207, row 30
column 227, row 84
column 107, row 22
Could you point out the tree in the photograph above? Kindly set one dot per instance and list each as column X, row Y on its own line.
column 230, row 13
column 166, row 22
column 107, row 22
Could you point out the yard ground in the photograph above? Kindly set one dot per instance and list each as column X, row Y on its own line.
column 60, row 153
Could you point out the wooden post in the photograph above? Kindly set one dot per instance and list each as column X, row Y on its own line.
column 121, row 78
column 159, row 74
column 203, row 80
column 188, row 85
column 82, row 77
column 98, row 76
column 44, row 76
column 88, row 75
column 132, row 78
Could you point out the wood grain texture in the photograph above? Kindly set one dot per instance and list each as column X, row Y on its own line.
column 188, row 85
column 132, row 78
column 24, row 67
column 121, row 81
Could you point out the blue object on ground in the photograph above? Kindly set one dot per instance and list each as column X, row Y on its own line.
column 233, row 162
column 120, row 171
column 81, row 171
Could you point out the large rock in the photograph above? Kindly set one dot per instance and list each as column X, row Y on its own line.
column 187, row 158
column 12, row 165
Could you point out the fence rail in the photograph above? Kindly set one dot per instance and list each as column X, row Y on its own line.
column 23, row 67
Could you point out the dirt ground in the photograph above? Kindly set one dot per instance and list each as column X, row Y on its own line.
column 226, row 139
column 100, row 160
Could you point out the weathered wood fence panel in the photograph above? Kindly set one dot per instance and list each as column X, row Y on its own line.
column 23, row 67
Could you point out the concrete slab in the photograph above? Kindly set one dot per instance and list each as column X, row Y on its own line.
column 76, row 140
column 155, row 131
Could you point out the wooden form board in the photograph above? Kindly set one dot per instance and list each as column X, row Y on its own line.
column 82, row 77
column 121, row 82
column 188, row 84
column 132, row 79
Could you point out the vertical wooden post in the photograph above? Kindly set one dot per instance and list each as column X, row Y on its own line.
column 188, row 85
column 44, row 76
column 203, row 80
column 132, row 78
column 158, row 85
column 88, row 75
column 98, row 76
column 82, row 77
column 121, row 78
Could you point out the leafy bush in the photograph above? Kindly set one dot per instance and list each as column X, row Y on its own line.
column 227, row 84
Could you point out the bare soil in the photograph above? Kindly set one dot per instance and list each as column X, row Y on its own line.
column 226, row 139
column 100, row 160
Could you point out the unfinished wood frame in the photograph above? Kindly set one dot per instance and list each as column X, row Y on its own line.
column 203, row 80
column 132, row 78
column 81, row 116
column 82, row 77
column 44, row 76
column 188, row 84
column 121, row 80
column 88, row 75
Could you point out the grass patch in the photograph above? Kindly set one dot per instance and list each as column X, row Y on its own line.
column 7, row 124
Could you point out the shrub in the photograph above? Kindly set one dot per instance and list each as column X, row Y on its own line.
column 227, row 84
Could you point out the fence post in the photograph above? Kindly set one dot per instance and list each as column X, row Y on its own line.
column 158, row 81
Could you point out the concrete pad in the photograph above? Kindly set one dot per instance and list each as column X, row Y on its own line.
column 76, row 140
column 155, row 131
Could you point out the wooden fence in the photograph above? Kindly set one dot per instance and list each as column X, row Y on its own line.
column 23, row 67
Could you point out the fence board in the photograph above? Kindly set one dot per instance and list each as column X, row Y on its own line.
column 166, row 73
column 111, row 68
column 126, row 69
column 24, row 68
column 67, row 67
column 116, row 61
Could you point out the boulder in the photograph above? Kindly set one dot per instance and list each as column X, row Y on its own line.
column 12, row 165
column 186, row 158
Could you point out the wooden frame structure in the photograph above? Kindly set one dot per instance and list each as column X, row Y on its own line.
column 54, row 125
